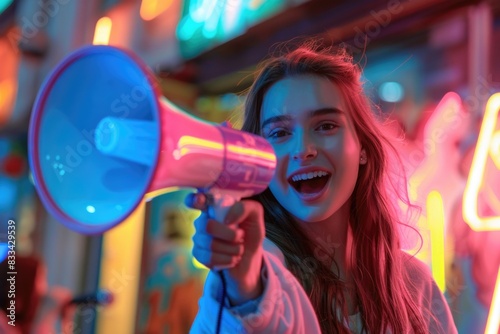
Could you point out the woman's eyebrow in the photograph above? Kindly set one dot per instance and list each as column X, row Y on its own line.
column 275, row 119
column 313, row 113
column 325, row 111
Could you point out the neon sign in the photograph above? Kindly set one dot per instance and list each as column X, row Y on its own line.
column 4, row 4
column 480, row 186
column 487, row 145
column 207, row 23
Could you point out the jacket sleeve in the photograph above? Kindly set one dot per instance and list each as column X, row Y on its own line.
column 283, row 307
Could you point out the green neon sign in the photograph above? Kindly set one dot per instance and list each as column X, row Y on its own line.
column 4, row 4
column 207, row 23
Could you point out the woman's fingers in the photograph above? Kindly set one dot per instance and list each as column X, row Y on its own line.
column 235, row 244
column 246, row 210
column 248, row 215
column 217, row 245
column 208, row 243
column 218, row 230
column 211, row 259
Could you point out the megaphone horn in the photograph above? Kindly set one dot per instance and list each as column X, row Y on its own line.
column 101, row 137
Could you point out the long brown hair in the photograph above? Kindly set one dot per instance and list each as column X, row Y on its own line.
column 379, row 280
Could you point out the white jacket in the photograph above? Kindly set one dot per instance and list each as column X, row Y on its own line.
column 284, row 307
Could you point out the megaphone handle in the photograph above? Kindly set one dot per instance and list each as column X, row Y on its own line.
column 218, row 204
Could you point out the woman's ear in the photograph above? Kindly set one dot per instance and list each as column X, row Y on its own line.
column 362, row 157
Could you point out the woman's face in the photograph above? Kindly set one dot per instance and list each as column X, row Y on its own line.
column 318, row 153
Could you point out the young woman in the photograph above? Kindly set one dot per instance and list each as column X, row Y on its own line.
column 318, row 251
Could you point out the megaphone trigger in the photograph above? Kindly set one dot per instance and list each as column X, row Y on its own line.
column 214, row 204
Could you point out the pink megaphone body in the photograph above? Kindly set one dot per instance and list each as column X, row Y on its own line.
column 101, row 137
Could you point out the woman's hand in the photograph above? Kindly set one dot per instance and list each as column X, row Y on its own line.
column 235, row 244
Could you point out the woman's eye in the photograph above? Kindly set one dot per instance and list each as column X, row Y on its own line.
column 327, row 126
column 277, row 133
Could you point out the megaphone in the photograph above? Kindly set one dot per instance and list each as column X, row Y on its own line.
column 101, row 137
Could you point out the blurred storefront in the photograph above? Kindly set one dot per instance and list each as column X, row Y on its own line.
column 203, row 54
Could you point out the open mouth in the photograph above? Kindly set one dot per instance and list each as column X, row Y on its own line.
column 309, row 183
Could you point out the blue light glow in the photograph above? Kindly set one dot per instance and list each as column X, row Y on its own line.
column 391, row 92
column 3, row 251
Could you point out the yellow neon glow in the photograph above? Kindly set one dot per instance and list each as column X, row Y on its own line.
column 102, row 31
column 476, row 174
column 7, row 95
column 435, row 219
column 493, row 323
column 495, row 149
column 6, row 90
column 120, row 273
column 150, row 9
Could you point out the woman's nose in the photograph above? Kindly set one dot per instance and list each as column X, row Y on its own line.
column 305, row 149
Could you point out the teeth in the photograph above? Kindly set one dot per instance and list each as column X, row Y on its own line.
column 308, row 176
